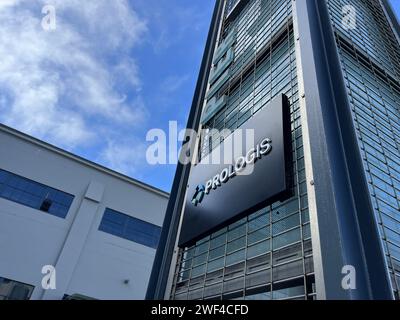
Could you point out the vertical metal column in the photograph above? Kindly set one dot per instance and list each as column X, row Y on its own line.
column 343, row 227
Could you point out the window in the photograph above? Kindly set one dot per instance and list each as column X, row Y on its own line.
column 130, row 228
column 288, row 289
column 260, row 293
column 33, row 194
column 13, row 290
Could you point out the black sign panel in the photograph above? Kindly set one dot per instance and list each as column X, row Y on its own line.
column 259, row 174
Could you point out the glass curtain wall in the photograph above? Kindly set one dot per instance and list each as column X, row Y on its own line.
column 268, row 254
column 370, row 59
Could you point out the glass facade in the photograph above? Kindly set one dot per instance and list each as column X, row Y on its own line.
column 130, row 228
column 268, row 254
column 370, row 59
column 33, row 194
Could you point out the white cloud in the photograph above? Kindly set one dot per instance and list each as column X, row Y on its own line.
column 61, row 85
column 7, row 3
column 126, row 157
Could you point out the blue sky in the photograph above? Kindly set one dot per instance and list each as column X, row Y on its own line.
column 396, row 6
column 111, row 71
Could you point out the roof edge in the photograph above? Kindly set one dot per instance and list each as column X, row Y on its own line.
column 81, row 160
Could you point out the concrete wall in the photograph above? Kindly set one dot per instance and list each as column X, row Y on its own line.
column 87, row 261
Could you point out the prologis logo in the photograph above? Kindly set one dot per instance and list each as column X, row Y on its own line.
column 251, row 157
column 198, row 195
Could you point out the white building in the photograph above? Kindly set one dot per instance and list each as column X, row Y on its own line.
column 96, row 227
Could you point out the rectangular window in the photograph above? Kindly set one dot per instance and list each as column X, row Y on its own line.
column 130, row 228
column 33, row 194
column 14, row 290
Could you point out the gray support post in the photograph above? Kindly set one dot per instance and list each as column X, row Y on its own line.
column 344, row 230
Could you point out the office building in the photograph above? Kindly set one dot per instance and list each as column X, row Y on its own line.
column 70, row 228
column 331, row 230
